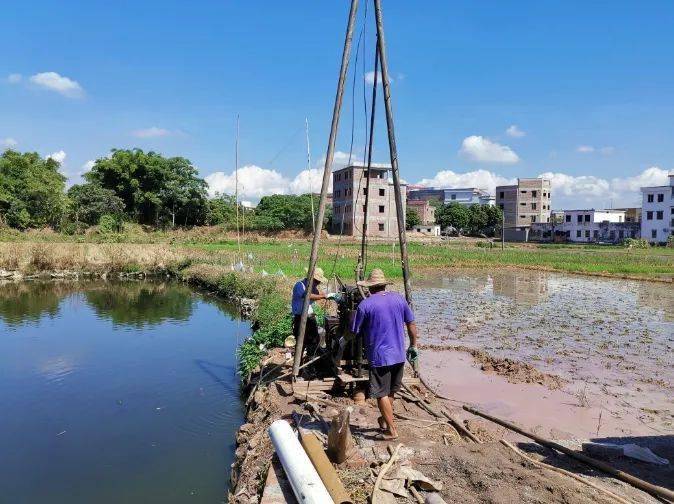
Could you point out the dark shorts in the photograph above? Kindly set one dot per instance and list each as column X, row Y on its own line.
column 310, row 333
column 386, row 380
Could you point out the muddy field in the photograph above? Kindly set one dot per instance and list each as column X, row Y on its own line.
column 571, row 355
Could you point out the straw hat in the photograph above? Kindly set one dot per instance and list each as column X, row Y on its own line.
column 376, row 277
column 319, row 276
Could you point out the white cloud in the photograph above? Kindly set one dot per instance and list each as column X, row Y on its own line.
column 308, row 181
column 479, row 148
column 254, row 182
column 369, row 77
column 58, row 156
column 87, row 166
column 152, row 132
column 584, row 186
column 481, row 179
column 14, row 78
column 58, row 83
column 515, row 132
column 8, row 142
column 589, row 149
column 652, row 176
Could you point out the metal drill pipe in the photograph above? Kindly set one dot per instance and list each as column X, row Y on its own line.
column 327, row 173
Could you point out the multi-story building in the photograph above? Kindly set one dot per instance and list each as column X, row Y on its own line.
column 526, row 203
column 424, row 210
column 592, row 225
column 348, row 201
column 657, row 214
column 463, row 196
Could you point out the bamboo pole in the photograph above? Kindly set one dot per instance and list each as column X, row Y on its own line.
column 327, row 173
column 655, row 490
column 393, row 150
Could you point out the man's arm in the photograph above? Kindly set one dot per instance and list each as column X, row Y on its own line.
column 412, row 333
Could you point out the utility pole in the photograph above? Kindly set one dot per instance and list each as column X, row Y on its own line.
column 236, row 185
column 311, row 190
column 393, row 151
column 327, row 173
column 503, row 228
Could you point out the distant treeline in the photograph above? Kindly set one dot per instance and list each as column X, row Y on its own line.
column 131, row 186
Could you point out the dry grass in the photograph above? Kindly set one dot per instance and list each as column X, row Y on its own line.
column 96, row 258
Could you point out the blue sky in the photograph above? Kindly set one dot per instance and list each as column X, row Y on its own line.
column 589, row 87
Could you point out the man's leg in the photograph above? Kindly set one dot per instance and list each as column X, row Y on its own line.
column 386, row 407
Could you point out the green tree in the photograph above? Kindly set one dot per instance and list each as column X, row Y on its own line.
column 281, row 211
column 412, row 218
column 31, row 190
column 453, row 214
column 221, row 210
column 152, row 187
column 88, row 202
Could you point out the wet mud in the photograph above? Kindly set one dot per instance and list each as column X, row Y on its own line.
column 575, row 356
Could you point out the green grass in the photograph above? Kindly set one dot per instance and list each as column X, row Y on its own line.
column 292, row 258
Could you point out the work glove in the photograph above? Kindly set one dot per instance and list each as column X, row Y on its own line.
column 413, row 355
column 335, row 296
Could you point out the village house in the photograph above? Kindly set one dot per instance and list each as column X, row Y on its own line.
column 657, row 214
column 348, row 201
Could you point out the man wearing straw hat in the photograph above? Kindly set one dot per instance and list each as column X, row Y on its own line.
column 299, row 291
column 381, row 319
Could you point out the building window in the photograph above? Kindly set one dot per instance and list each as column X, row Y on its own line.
column 654, row 233
column 587, row 233
column 533, row 206
column 587, row 218
column 381, row 226
column 523, row 192
column 381, row 208
column 596, row 234
column 650, row 198
column 568, row 218
column 336, row 194
column 533, row 218
column 534, row 194
column 453, row 196
column 661, row 198
column 580, row 219
column 501, row 195
column 649, row 215
column 672, row 212
column 382, row 192
column 523, row 204
column 578, row 233
column 659, row 215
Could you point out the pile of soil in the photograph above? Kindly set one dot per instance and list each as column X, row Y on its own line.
column 514, row 371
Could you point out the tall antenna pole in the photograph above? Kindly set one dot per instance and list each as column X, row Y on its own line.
column 369, row 164
column 386, row 84
column 311, row 190
column 327, row 173
column 236, row 185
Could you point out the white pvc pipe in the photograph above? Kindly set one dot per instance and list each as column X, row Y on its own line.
column 304, row 480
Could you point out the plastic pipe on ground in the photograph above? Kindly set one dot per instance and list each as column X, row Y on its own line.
column 304, row 480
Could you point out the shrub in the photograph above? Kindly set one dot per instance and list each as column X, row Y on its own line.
column 109, row 223
column 638, row 243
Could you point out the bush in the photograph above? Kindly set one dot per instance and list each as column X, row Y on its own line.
column 109, row 224
column 670, row 241
column 638, row 243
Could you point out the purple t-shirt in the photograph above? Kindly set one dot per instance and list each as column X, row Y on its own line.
column 381, row 320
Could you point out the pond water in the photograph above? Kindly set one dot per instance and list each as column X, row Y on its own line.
column 116, row 392
column 612, row 341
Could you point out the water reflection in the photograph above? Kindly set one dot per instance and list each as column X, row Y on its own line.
column 143, row 409
column 141, row 304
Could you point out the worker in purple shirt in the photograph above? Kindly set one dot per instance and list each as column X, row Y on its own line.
column 381, row 319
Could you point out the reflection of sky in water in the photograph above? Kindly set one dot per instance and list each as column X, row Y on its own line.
column 116, row 393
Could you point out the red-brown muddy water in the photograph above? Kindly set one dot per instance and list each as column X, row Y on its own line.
column 611, row 341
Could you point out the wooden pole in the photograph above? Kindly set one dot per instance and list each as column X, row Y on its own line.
column 386, row 84
column 369, row 163
column 236, row 186
column 327, row 173
column 597, row 464
column 311, row 189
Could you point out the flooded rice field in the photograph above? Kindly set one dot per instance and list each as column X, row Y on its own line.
column 567, row 355
column 116, row 393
